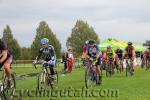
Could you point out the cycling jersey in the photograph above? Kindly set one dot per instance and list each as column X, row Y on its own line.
column 109, row 53
column 147, row 54
column 48, row 53
column 93, row 51
column 129, row 51
column 3, row 48
column 119, row 53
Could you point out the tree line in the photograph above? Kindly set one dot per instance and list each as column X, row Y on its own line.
column 81, row 32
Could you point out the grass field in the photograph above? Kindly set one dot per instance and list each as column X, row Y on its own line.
column 136, row 87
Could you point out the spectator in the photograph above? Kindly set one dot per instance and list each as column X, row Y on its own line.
column 70, row 60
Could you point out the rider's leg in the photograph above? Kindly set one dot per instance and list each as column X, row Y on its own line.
column 7, row 70
column 8, row 73
column 99, row 71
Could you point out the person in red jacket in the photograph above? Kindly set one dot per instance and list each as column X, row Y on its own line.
column 70, row 60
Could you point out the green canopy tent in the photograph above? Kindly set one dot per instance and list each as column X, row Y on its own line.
column 103, row 45
column 121, row 44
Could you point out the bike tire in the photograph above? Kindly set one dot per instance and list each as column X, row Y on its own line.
column 88, row 76
column 8, row 93
column 40, row 85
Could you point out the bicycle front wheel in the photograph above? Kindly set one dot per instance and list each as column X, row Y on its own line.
column 9, row 92
column 88, row 78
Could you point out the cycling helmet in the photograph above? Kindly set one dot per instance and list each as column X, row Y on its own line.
column 129, row 43
column 69, row 48
column 118, row 48
column 91, row 42
column 108, row 47
column 86, row 42
column 44, row 41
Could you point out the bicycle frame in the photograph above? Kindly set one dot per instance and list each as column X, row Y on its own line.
column 129, row 67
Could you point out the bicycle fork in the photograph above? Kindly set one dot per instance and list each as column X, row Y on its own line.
column 43, row 75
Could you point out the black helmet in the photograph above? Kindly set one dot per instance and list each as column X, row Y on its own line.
column 91, row 42
column 109, row 47
column 129, row 43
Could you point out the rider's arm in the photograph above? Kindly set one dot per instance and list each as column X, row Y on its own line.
column 86, row 54
column 4, row 52
column 39, row 55
column 133, row 52
column 98, row 50
column 124, row 52
column 53, row 54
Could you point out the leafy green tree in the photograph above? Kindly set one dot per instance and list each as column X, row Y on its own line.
column 25, row 54
column 43, row 31
column 80, row 33
column 12, row 43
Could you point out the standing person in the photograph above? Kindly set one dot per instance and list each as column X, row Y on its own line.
column 84, row 48
column 64, row 60
column 49, row 55
column 70, row 60
column 6, row 60
column 129, row 53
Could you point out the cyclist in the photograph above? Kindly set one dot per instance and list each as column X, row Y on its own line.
column 142, row 59
column 119, row 54
column 109, row 55
column 6, row 60
column 93, row 52
column 129, row 53
column 147, row 55
column 49, row 53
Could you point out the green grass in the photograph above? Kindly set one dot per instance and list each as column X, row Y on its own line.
column 136, row 87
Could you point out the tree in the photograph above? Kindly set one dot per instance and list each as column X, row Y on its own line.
column 12, row 43
column 43, row 31
column 147, row 43
column 25, row 54
column 80, row 33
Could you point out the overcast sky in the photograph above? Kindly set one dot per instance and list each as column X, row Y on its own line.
column 127, row 20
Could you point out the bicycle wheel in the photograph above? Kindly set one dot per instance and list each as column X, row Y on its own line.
column 9, row 92
column 107, row 70
column 120, row 70
column 41, row 81
column 55, row 81
column 88, row 78
column 127, row 69
column 147, row 65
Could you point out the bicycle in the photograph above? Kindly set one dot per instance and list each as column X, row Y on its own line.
column 142, row 63
column 109, row 68
column 91, row 74
column 7, row 93
column 129, row 67
column 120, row 66
column 45, row 78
